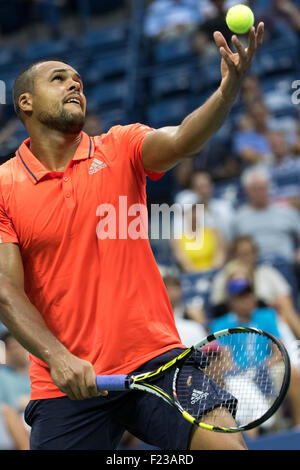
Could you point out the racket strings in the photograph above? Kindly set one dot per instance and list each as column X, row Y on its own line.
column 243, row 374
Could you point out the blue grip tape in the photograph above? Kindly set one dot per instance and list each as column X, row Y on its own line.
column 112, row 382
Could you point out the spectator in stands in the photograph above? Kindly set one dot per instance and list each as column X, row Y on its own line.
column 296, row 143
column 282, row 21
column 215, row 21
column 284, row 170
column 251, row 142
column 290, row 11
column 251, row 91
column 14, row 378
column 269, row 284
column 49, row 11
column 198, row 247
column 14, row 435
column 189, row 318
column 218, row 212
column 244, row 311
column 14, row 394
column 171, row 18
column 273, row 227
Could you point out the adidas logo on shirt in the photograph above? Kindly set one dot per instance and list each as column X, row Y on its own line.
column 198, row 395
column 96, row 166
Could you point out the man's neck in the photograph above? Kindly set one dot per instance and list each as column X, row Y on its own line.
column 54, row 150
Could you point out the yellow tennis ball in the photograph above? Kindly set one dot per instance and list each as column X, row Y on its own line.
column 240, row 19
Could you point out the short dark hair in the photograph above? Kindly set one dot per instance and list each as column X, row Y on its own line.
column 24, row 82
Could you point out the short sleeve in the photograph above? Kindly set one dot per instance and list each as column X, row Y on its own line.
column 7, row 231
column 131, row 139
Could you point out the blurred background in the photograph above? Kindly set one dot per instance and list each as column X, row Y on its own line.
column 154, row 62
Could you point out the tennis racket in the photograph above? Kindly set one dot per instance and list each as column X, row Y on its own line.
column 241, row 371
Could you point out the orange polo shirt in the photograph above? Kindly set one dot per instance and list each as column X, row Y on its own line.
column 98, row 289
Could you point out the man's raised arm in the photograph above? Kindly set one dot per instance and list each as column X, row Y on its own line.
column 165, row 147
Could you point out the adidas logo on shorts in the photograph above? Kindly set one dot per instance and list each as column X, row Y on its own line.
column 198, row 395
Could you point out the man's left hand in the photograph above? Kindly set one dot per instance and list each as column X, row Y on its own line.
column 234, row 66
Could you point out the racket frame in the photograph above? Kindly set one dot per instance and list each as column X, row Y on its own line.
column 144, row 381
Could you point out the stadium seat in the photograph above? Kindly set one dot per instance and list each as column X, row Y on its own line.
column 107, row 93
column 210, row 71
column 172, row 50
column 229, row 191
column 276, row 59
column 196, row 286
column 46, row 48
column 113, row 117
column 99, row 40
column 170, row 81
column 162, row 252
column 168, row 111
column 107, row 66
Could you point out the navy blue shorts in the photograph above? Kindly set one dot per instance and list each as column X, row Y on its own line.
column 99, row 423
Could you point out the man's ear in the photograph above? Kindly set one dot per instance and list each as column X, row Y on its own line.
column 25, row 102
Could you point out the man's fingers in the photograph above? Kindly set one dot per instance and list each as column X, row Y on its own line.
column 227, row 59
column 221, row 41
column 91, row 387
column 260, row 35
column 240, row 49
column 252, row 43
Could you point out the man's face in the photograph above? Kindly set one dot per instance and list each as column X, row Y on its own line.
column 259, row 114
column 201, row 185
column 279, row 144
column 243, row 305
column 174, row 292
column 258, row 193
column 246, row 253
column 58, row 101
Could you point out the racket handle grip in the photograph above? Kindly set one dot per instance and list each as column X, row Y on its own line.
column 112, row 382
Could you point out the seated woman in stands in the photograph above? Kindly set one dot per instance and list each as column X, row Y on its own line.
column 270, row 285
column 200, row 247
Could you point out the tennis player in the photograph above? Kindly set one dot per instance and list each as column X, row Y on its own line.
column 83, row 304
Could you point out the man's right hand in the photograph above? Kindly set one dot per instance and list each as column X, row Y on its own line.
column 75, row 377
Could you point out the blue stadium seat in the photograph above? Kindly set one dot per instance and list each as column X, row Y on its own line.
column 171, row 81
column 172, row 50
column 210, row 71
column 162, row 252
column 107, row 66
column 113, row 117
column 168, row 111
column 230, row 191
column 198, row 286
column 100, row 39
column 46, row 48
column 107, row 93
column 276, row 59
column 7, row 56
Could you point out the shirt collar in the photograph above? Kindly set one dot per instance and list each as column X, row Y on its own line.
column 36, row 170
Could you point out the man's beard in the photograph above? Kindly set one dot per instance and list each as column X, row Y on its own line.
column 65, row 122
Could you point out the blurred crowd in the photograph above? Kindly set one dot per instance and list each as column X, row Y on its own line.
column 51, row 12
column 246, row 267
